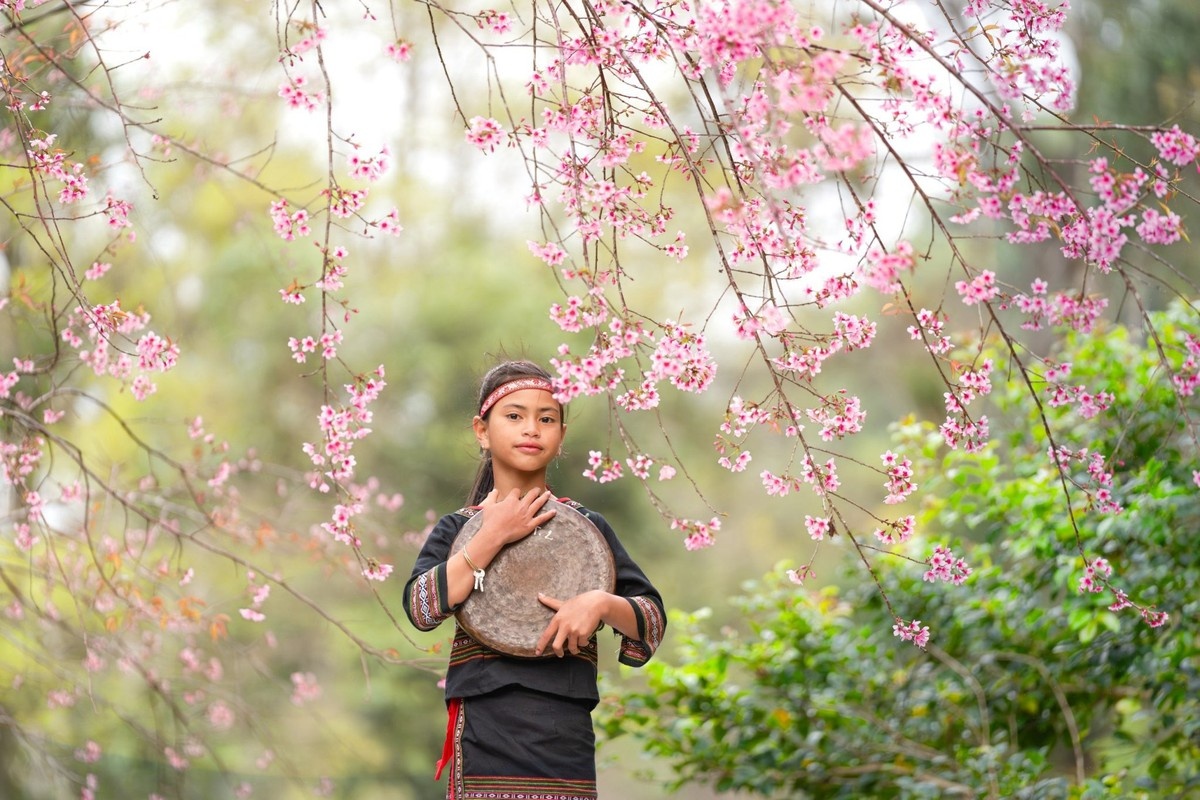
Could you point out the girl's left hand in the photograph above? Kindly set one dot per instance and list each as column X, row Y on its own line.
column 574, row 622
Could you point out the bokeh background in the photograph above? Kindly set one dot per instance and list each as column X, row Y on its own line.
column 436, row 306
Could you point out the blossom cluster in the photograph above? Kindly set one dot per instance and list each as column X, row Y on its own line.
column 485, row 133
column 899, row 477
column 289, row 224
column 679, row 356
column 18, row 459
column 913, row 632
column 944, row 566
column 341, row 427
column 52, row 163
column 839, row 416
column 259, row 592
column 1099, row 482
column 741, row 416
column 602, row 468
column 698, row 534
column 1186, row 377
column 979, row 289
column 296, row 94
column 1066, row 309
column 779, row 485
column 1095, row 579
column 897, row 531
column 959, row 429
column 1095, row 575
column 98, row 333
column 882, row 270
column 580, row 313
column 818, row 527
column 1062, row 394
column 823, row 479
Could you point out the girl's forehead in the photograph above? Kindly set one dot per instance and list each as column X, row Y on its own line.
column 538, row 399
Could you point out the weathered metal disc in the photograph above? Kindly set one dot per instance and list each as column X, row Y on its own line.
column 563, row 558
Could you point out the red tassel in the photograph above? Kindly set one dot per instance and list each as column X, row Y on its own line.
column 452, row 713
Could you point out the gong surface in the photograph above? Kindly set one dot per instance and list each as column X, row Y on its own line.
column 563, row 558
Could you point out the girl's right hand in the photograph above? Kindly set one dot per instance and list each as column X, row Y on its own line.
column 513, row 517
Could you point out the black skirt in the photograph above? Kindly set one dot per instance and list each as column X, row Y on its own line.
column 520, row 744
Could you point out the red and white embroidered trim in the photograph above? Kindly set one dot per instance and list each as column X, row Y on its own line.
column 505, row 389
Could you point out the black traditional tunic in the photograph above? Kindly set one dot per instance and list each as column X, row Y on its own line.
column 522, row 727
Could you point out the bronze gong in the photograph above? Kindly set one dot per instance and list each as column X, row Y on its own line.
column 563, row 558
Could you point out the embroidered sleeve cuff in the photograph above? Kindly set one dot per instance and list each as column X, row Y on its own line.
column 427, row 599
column 651, row 625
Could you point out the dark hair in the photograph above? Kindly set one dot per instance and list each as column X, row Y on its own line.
column 497, row 376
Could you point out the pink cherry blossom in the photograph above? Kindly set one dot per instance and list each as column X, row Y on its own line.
column 883, row 270
column 377, row 571
column 97, row 270
column 220, row 716
column 289, row 225
column 899, row 473
column 602, row 468
column 639, row 465
column 1158, row 228
column 896, row 531
column 117, row 212
column 485, row 133
column 979, row 289
column 305, row 688
column 1095, row 576
column 296, row 96
column 913, row 632
column 778, row 485
column 944, row 566
column 839, row 415
column 818, row 527
column 736, row 464
column 549, row 252
column 699, row 534
column 89, row 753
column 1176, row 146
column 1155, row 619
column 399, row 51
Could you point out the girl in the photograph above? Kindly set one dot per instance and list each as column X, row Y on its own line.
column 523, row 726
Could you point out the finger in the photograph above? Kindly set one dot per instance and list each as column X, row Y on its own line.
column 530, row 498
column 540, row 499
column 545, row 638
column 542, row 519
column 552, row 603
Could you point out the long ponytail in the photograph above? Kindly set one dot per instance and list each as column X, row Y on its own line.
column 485, row 481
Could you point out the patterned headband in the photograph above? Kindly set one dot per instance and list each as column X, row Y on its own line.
column 517, row 385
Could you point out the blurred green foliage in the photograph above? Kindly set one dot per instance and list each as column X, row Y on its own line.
column 1029, row 687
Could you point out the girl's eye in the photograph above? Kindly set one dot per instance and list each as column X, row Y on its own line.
column 513, row 416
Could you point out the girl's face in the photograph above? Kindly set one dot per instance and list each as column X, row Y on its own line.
column 524, row 432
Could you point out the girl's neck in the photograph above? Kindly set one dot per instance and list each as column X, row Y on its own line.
column 522, row 483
